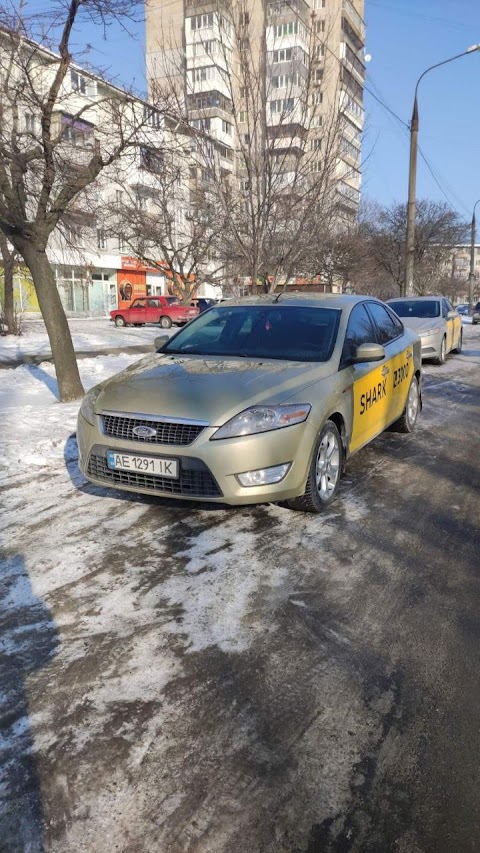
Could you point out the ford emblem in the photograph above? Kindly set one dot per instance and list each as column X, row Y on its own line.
column 144, row 432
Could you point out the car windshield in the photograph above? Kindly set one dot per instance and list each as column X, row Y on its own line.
column 426, row 308
column 261, row 331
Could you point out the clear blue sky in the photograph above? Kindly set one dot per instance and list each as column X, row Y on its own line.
column 404, row 37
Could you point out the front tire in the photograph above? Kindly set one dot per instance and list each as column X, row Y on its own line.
column 325, row 472
column 119, row 321
column 165, row 322
column 443, row 352
column 408, row 418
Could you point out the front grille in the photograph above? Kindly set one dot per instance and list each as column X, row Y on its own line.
column 196, row 482
column 121, row 426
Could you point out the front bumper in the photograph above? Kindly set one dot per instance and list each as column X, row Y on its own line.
column 431, row 345
column 207, row 469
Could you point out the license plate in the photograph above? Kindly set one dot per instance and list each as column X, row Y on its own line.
column 142, row 464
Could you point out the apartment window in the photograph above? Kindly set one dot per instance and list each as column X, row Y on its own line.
column 151, row 116
column 83, row 85
column 226, row 127
column 320, row 51
column 244, row 44
column 317, row 121
column 285, row 80
column 282, row 105
column 244, row 19
column 142, row 200
column 318, row 77
column 246, row 139
column 208, row 72
column 282, row 55
column 122, row 246
column 316, row 166
column 289, row 29
column 77, row 133
column 201, row 22
column 150, row 159
column 317, row 98
column 30, row 123
column 316, row 144
column 101, row 239
column 243, row 116
column 201, row 123
column 118, row 197
column 319, row 26
column 243, row 92
column 318, row 4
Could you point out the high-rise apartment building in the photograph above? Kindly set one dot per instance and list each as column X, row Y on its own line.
column 303, row 58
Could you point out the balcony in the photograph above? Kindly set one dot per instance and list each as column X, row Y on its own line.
column 351, row 13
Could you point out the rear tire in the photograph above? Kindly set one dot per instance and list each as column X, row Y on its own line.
column 458, row 348
column 165, row 322
column 119, row 321
column 325, row 472
column 408, row 418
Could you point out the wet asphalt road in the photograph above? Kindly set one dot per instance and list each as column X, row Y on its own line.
column 202, row 680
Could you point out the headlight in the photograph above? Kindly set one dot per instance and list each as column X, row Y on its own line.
column 88, row 404
column 263, row 419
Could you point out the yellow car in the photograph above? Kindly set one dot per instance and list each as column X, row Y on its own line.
column 436, row 322
column 257, row 400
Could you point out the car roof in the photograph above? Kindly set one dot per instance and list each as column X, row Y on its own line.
column 415, row 298
column 311, row 300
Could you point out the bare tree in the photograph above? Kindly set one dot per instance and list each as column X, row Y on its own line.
column 273, row 167
column 9, row 259
column 57, row 136
column 438, row 228
column 171, row 223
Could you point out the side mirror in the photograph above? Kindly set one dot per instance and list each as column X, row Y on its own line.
column 368, row 352
column 451, row 315
column 160, row 341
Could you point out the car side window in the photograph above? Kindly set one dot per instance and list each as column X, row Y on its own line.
column 139, row 303
column 387, row 326
column 153, row 303
column 449, row 305
column 360, row 330
column 444, row 308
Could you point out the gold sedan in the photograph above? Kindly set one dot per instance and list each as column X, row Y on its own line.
column 255, row 401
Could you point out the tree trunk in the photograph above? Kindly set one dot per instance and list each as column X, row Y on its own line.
column 68, row 377
column 8, row 304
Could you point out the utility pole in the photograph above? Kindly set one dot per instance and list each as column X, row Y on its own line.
column 471, row 275
column 407, row 289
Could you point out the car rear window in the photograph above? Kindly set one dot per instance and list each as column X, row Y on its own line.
column 275, row 331
column 172, row 300
column 426, row 308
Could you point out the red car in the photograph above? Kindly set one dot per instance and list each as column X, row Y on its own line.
column 165, row 310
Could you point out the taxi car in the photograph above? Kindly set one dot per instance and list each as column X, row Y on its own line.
column 257, row 400
column 435, row 321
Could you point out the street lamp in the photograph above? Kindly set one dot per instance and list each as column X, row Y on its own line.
column 471, row 275
column 412, row 173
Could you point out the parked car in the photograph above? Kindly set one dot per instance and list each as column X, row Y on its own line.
column 435, row 320
column 462, row 308
column 476, row 314
column 256, row 400
column 203, row 303
column 164, row 310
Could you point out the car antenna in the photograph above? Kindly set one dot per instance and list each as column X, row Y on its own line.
column 278, row 296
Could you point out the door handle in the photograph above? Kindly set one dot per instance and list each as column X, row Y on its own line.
column 385, row 370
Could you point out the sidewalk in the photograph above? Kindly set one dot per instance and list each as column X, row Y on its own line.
column 91, row 336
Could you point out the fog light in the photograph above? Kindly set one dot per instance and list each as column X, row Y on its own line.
column 264, row 476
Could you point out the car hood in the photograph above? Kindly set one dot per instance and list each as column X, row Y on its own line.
column 210, row 389
column 422, row 324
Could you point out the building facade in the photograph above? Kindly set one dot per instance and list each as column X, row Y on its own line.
column 310, row 65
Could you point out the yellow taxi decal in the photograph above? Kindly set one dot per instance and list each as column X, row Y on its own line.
column 379, row 397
